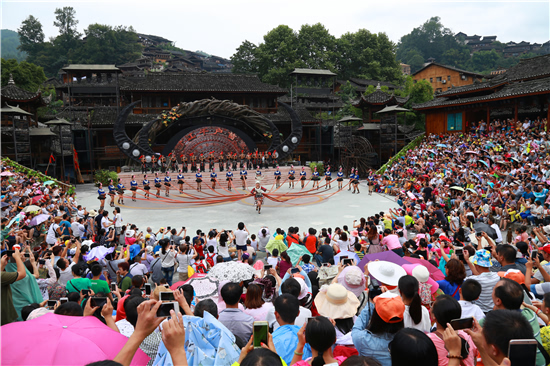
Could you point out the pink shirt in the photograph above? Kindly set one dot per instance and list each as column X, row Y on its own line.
column 260, row 313
column 391, row 241
column 340, row 359
column 442, row 351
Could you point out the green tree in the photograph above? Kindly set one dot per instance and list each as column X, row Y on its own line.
column 484, row 61
column 456, row 57
column 25, row 75
column 421, row 92
column 105, row 44
column 65, row 20
column 316, row 47
column 348, row 93
column 277, row 56
column 245, row 60
column 31, row 36
column 10, row 45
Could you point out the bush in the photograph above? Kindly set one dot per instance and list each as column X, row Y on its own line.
column 320, row 168
column 103, row 177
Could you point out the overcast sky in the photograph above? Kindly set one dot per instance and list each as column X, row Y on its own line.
column 219, row 27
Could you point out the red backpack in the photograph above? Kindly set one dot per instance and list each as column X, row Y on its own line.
column 210, row 259
column 201, row 268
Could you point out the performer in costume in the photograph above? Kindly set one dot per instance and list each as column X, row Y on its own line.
column 371, row 182
column 221, row 161
column 184, row 167
column 315, row 178
column 167, row 184
column 291, row 177
column 203, row 167
column 211, row 161
column 229, row 179
column 162, row 163
column 248, row 161
column 193, row 163
column 258, row 173
column 277, row 175
column 174, row 161
column 133, row 187
column 328, row 178
column 112, row 192
column 351, row 178
column 146, row 186
column 101, row 196
column 120, row 189
column 257, row 192
column 153, row 163
column 213, row 177
column 243, row 159
column 143, row 164
column 180, row 181
column 356, row 181
column 303, row 176
column 340, row 178
column 199, row 181
column 157, row 184
column 244, row 173
column 235, row 162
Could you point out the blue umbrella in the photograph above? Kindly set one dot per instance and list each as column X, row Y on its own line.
column 484, row 162
column 441, row 145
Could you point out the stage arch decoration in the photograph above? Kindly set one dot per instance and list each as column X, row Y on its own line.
column 206, row 112
column 210, row 139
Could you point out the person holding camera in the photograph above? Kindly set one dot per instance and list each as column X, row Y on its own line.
column 8, row 313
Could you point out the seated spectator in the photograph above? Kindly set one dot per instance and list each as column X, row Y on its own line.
column 285, row 337
column 411, row 347
column 292, row 287
column 239, row 323
column 255, row 305
column 506, row 256
column 480, row 265
column 416, row 315
column 469, row 292
column 8, row 312
column 337, row 303
column 454, row 278
column 206, row 305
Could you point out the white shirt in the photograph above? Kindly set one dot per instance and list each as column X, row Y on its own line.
column 80, row 214
column 240, row 237
column 66, row 275
column 118, row 222
column 138, row 269
column 471, row 310
column 50, row 238
column 74, row 229
column 273, row 261
column 425, row 323
column 105, row 222
column 499, row 234
column 300, row 320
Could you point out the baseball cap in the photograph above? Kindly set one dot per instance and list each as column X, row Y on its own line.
column 514, row 275
column 389, row 307
column 546, row 248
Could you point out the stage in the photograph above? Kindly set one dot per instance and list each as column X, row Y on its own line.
column 306, row 208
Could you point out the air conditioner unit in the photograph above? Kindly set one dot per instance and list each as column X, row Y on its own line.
column 463, row 77
column 444, row 81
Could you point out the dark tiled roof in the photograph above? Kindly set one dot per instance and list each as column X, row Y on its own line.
column 282, row 115
column 197, row 82
column 472, row 87
column 378, row 97
column 509, row 91
column 12, row 92
column 450, row 68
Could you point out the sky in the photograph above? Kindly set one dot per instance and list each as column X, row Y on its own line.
column 219, row 27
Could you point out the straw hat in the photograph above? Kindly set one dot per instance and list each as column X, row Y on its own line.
column 386, row 272
column 335, row 302
column 92, row 213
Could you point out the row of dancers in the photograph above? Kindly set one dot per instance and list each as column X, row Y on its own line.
column 167, row 182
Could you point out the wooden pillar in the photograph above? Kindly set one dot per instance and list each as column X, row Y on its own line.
column 515, row 110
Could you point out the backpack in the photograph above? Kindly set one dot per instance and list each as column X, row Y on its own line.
column 210, row 259
column 201, row 268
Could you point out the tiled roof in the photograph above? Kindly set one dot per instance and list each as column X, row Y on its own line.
column 282, row 115
column 12, row 92
column 450, row 68
column 510, row 90
column 197, row 82
column 472, row 87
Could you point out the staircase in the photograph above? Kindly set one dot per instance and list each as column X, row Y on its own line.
column 268, row 178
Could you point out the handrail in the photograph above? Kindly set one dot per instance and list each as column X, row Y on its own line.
column 9, row 162
column 411, row 145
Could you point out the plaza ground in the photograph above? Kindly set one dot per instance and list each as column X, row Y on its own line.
column 320, row 209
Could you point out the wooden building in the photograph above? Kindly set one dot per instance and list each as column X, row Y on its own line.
column 375, row 102
column 523, row 91
column 443, row 77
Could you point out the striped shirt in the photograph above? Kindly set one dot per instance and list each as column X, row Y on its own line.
column 487, row 280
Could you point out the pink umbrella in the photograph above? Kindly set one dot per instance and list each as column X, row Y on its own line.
column 6, row 174
column 61, row 340
column 38, row 219
column 435, row 273
column 36, row 199
column 471, row 152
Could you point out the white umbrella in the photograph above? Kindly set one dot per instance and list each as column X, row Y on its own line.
column 31, row 208
column 232, row 271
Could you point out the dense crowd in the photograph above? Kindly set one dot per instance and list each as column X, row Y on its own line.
column 442, row 280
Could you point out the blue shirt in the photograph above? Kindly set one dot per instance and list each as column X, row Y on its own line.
column 277, row 173
column 213, row 175
column 291, row 172
column 340, row 174
column 315, row 174
column 229, row 174
column 244, row 172
column 101, row 192
column 180, row 177
column 111, row 188
column 133, row 183
column 285, row 340
column 167, row 179
column 328, row 173
column 120, row 186
column 199, row 175
column 367, row 343
column 145, row 182
column 303, row 172
column 66, row 225
column 157, row 180
column 449, row 288
column 258, row 172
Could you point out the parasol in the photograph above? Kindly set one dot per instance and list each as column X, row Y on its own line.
column 231, row 271
column 38, row 219
column 457, row 188
column 31, row 208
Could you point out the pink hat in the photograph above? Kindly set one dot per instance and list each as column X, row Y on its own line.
column 354, row 233
column 353, row 280
column 422, row 274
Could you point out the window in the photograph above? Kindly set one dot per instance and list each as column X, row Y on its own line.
column 438, row 78
column 431, row 80
column 439, row 90
column 454, row 121
column 449, row 77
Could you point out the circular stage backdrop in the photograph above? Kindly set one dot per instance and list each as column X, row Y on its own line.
column 204, row 140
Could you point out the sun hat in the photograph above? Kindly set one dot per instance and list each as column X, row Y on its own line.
column 92, row 213
column 386, row 272
column 482, row 258
column 149, row 249
column 354, row 234
column 335, row 302
column 389, row 307
column 353, row 279
column 303, row 288
column 514, row 275
column 129, row 233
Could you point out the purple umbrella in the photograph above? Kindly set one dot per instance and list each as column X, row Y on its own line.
column 37, row 220
column 5, row 204
column 383, row 256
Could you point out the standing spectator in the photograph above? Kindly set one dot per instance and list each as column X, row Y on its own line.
column 240, row 239
column 8, row 312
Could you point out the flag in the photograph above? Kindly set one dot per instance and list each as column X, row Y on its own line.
column 51, row 159
column 75, row 159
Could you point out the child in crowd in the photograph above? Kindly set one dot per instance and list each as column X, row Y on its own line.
column 359, row 250
column 469, row 292
column 274, row 258
column 307, row 266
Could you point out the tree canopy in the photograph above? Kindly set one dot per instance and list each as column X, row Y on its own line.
column 10, row 45
column 100, row 44
column 25, row 75
column 361, row 54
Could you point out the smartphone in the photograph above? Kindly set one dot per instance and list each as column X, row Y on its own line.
column 148, row 289
column 534, row 253
column 324, row 264
column 267, row 267
column 522, row 352
column 459, row 251
column 295, row 270
column 376, row 290
column 63, row 300
column 343, row 257
column 85, row 292
column 347, row 262
column 261, row 330
column 164, row 309
column 113, row 286
column 41, row 261
column 27, row 255
column 9, row 253
column 166, row 296
column 98, row 301
column 51, row 303
column 464, row 323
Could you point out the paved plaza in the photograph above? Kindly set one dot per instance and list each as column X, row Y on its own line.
column 318, row 209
